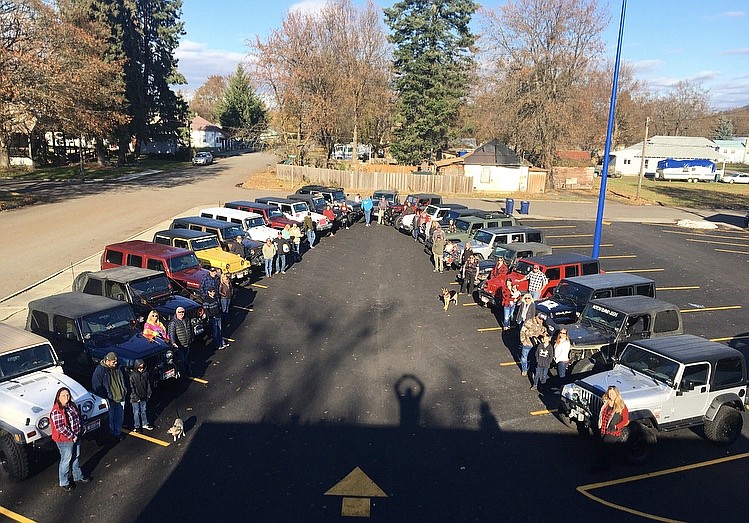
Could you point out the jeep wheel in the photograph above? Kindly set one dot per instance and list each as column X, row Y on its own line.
column 726, row 426
column 639, row 444
column 14, row 464
column 398, row 224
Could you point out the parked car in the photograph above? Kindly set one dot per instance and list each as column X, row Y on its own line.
column 418, row 200
column 314, row 201
column 296, row 210
column 252, row 223
column 435, row 211
column 334, row 196
column 202, row 158
column 484, row 241
column 571, row 295
column 670, row 383
column 735, row 178
column 207, row 249
column 30, row 375
column 467, row 226
column 180, row 265
column 273, row 216
column 511, row 253
column 225, row 232
column 144, row 290
column 84, row 328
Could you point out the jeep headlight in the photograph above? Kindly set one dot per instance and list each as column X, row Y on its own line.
column 87, row 406
column 43, row 423
column 241, row 262
column 169, row 354
column 568, row 391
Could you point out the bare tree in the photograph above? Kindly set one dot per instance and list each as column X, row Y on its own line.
column 206, row 98
column 683, row 111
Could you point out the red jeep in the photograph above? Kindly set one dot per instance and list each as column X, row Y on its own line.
column 181, row 266
column 271, row 213
column 554, row 266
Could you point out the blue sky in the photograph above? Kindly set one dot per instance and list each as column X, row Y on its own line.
column 666, row 40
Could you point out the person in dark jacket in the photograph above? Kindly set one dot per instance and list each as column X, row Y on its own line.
column 283, row 247
column 109, row 382
column 209, row 281
column 212, row 309
column 180, row 336
column 544, row 357
column 67, row 429
column 470, row 271
column 140, row 392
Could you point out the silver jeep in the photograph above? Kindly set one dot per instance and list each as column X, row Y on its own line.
column 668, row 384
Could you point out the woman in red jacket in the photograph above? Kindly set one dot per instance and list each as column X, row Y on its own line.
column 67, row 429
column 612, row 419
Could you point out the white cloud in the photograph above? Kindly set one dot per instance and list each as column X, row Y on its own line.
column 646, row 66
column 733, row 14
column 309, row 7
column 736, row 51
column 197, row 62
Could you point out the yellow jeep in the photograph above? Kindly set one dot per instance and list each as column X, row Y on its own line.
column 208, row 250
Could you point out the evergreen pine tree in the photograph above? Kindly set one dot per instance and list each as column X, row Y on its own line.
column 724, row 131
column 241, row 110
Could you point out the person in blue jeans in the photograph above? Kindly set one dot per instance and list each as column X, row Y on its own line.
column 108, row 381
column 283, row 247
column 529, row 333
column 140, row 392
column 212, row 309
column 366, row 206
column 65, row 421
column 269, row 252
column 310, row 226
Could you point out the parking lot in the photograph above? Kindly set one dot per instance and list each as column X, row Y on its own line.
column 314, row 390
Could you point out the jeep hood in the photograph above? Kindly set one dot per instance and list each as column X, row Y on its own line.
column 168, row 306
column 35, row 392
column 131, row 349
column 261, row 233
column 638, row 391
column 193, row 275
column 584, row 334
column 556, row 307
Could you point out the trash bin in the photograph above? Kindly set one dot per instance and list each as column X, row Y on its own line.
column 525, row 206
column 509, row 206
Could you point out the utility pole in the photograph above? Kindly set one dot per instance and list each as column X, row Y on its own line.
column 642, row 160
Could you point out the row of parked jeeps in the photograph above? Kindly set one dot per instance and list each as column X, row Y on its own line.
column 69, row 333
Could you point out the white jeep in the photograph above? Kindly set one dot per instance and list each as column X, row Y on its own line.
column 667, row 384
column 30, row 376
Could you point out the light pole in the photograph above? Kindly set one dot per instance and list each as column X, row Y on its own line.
column 609, row 131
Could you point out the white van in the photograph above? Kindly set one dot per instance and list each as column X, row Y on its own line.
column 252, row 222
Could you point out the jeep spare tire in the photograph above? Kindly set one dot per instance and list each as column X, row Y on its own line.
column 79, row 283
column 725, row 427
column 14, row 464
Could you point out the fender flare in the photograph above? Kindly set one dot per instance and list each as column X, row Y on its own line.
column 729, row 398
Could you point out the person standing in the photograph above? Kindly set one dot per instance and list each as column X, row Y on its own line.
column 470, row 272
column 225, row 293
column 330, row 215
column 153, row 328
column 544, row 356
column 612, row 419
column 180, row 336
column 309, row 225
column 67, row 429
column 366, row 206
column 296, row 238
column 382, row 206
column 344, row 214
column 499, row 270
column 562, row 352
column 282, row 249
column 537, row 280
column 510, row 295
column 212, row 309
column 531, row 329
column 140, row 393
column 237, row 246
column 525, row 310
column 269, row 252
column 438, row 247
column 416, row 224
column 209, row 281
column 108, row 381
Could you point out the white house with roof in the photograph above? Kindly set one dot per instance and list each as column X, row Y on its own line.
column 495, row 167
column 204, row 135
column 627, row 161
column 734, row 149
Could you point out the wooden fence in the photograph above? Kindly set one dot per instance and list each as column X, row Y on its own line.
column 370, row 181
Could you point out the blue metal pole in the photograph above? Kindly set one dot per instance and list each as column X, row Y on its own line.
column 609, row 130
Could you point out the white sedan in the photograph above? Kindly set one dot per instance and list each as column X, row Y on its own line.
column 735, row 178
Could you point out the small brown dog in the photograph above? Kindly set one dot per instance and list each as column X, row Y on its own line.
column 448, row 296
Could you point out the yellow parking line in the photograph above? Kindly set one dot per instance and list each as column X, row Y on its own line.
column 542, row 412
column 569, row 236
column 727, row 307
column 230, row 340
column 199, row 380
column 640, row 270
column 15, row 516
column 604, row 222
column 555, row 227
column 147, row 438
column 454, row 283
column 259, row 286
column 585, row 489
column 243, row 308
column 508, row 364
column 490, row 329
column 686, row 287
column 470, row 304
column 579, row 246
column 719, row 243
column 733, row 252
column 616, row 256
column 729, row 338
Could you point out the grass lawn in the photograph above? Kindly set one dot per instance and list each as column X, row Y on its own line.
column 710, row 195
column 91, row 171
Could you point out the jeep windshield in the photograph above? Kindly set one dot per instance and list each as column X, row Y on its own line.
column 500, row 252
column 462, row 226
column 572, row 292
column 300, row 207
column 275, row 213
column 209, row 242
column 318, row 202
column 431, row 210
column 153, row 287
column 251, row 223
column 483, row 236
column 181, row 263
column 523, row 267
column 601, row 316
column 649, row 363
column 389, row 197
column 229, row 233
column 338, row 195
column 109, row 326
column 30, row 359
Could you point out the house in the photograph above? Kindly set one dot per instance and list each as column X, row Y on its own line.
column 206, row 135
column 735, row 150
column 627, row 161
column 495, row 167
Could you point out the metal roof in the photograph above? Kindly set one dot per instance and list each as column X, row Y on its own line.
column 688, row 348
column 74, row 304
column 13, row 338
column 493, row 152
column 677, row 147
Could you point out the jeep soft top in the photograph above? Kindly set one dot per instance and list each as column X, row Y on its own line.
column 688, row 348
column 271, row 213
